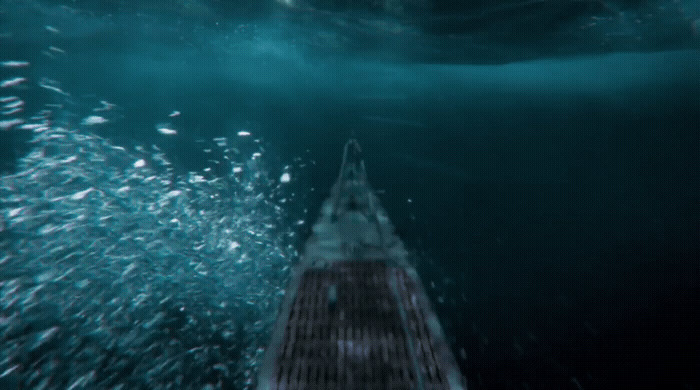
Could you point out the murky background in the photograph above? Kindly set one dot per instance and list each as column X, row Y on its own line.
column 163, row 163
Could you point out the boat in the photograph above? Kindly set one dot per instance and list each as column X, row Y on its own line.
column 355, row 314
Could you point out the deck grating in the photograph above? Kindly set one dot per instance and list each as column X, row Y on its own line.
column 361, row 342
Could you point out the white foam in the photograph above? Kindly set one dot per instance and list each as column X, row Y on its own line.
column 166, row 131
column 81, row 194
column 7, row 124
column 12, row 111
column 93, row 120
column 14, row 64
column 14, row 104
column 12, row 82
column 69, row 159
column 15, row 212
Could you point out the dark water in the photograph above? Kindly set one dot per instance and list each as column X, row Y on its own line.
column 554, row 200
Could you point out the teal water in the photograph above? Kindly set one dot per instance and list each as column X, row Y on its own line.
column 550, row 194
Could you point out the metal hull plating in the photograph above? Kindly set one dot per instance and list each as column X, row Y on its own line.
column 356, row 315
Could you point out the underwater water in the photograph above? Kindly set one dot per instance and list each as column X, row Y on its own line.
column 162, row 164
column 118, row 274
